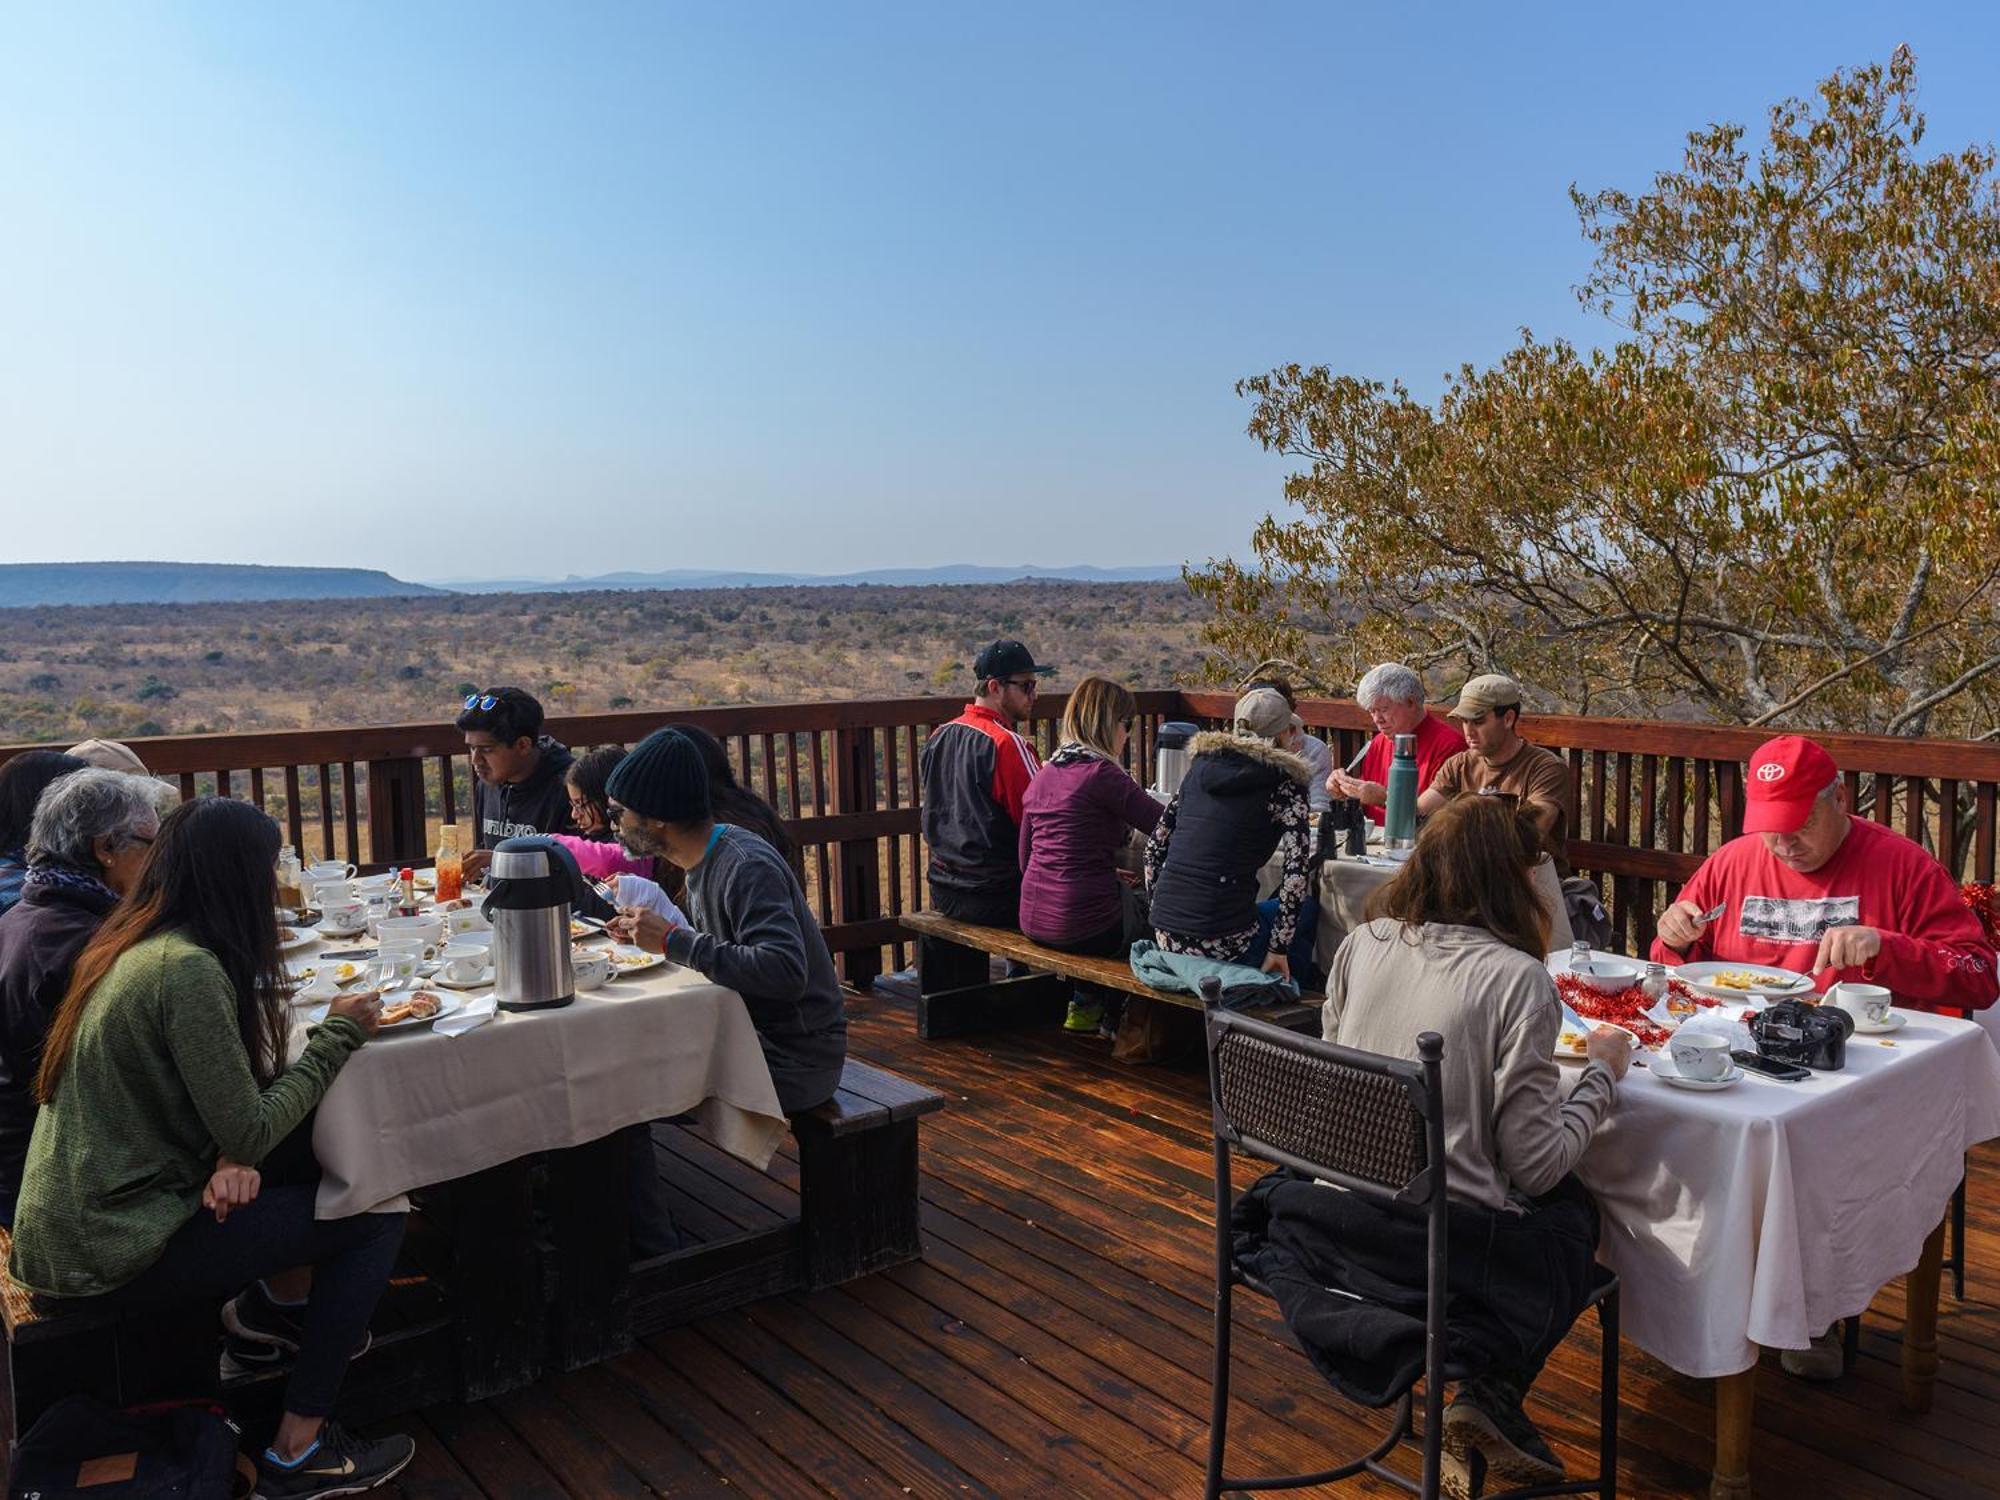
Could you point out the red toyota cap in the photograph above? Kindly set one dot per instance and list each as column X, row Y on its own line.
column 1785, row 775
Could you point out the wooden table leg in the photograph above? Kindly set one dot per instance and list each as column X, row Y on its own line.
column 1735, row 1407
column 1920, row 1315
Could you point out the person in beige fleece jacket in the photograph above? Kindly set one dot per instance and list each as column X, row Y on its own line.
column 1456, row 945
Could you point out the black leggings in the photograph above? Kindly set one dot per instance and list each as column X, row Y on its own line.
column 351, row 1258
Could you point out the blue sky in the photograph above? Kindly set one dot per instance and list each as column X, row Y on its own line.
column 493, row 290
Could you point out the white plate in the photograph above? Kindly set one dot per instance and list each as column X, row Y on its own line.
column 301, row 938
column 1571, row 1022
column 1666, row 1072
column 446, row 1006
column 1699, row 977
column 1894, row 1021
column 626, row 961
column 344, row 970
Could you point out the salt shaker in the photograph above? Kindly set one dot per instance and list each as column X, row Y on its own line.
column 1654, row 984
column 1579, row 958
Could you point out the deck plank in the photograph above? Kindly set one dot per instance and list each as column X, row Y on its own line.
column 1055, row 1337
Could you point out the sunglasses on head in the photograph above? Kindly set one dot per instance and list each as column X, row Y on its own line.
column 483, row 701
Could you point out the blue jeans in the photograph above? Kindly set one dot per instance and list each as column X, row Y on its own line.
column 351, row 1260
column 1304, row 974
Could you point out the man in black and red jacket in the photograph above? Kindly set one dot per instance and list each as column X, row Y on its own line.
column 975, row 771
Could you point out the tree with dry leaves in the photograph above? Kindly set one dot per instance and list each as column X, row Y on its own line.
column 1771, row 498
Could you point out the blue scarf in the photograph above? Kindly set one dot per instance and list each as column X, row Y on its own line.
column 64, row 878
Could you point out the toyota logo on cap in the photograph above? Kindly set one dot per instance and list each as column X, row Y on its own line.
column 1770, row 771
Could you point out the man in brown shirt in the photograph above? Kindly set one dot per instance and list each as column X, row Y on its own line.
column 1496, row 761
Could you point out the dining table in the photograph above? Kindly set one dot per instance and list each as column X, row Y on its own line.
column 418, row 1106
column 1760, row 1214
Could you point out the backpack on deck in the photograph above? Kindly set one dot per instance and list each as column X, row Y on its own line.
column 85, row 1449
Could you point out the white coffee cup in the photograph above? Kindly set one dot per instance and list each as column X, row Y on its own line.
column 468, row 968
column 403, row 959
column 342, row 916
column 590, row 970
column 319, row 892
column 330, row 869
column 1867, row 1003
column 468, row 919
column 1700, row 1055
column 376, row 885
column 477, row 945
column 425, row 931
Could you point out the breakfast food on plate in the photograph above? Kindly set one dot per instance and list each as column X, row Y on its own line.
column 581, row 928
column 461, row 904
column 1571, row 1042
column 1748, row 979
column 288, row 934
column 634, row 960
column 415, row 1007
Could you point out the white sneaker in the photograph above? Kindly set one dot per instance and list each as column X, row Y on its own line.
column 1825, row 1360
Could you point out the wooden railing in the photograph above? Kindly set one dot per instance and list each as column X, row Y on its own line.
column 1649, row 799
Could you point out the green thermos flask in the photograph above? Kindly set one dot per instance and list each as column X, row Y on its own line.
column 1400, row 824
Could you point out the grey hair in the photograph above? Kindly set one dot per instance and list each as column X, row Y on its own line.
column 87, row 805
column 1389, row 680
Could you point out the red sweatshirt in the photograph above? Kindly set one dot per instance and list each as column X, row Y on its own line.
column 1934, row 952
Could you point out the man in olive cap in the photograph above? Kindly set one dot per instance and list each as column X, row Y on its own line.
column 1497, row 762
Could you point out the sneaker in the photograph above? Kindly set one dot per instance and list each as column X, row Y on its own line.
column 1084, row 1017
column 1825, row 1360
column 339, row 1464
column 260, row 1333
column 1486, row 1430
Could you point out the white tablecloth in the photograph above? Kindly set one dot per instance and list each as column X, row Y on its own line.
column 413, row 1109
column 1759, row 1214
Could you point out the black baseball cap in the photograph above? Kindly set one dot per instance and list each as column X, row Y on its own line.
column 1004, row 659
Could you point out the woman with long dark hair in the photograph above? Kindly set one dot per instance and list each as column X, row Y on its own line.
column 22, row 782
column 734, row 803
column 169, row 1048
column 1457, row 945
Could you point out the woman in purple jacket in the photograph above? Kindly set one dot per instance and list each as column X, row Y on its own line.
column 1075, row 819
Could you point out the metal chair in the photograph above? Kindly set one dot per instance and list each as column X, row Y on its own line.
column 1375, row 1126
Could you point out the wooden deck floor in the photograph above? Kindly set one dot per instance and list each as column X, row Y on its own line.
column 1054, row 1341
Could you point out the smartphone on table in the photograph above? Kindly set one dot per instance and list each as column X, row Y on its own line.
column 1756, row 1062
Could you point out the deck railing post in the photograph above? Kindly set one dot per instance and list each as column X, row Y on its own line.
column 398, row 831
column 858, row 882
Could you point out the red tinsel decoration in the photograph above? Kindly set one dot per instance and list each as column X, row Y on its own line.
column 1984, row 900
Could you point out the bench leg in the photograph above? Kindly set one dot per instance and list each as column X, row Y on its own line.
column 858, row 1201
column 955, row 996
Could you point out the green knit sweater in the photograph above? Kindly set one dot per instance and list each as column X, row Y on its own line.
column 156, row 1087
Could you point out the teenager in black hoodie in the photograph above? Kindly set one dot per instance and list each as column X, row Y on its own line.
column 520, row 787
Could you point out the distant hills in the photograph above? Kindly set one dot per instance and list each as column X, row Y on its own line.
column 29, row 585
column 24, row 585
column 702, row 578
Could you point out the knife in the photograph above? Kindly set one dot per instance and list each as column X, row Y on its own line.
column 1712, row 913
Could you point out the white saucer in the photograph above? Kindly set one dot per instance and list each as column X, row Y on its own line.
column 1894, row 1021
column 340, row 932
column 443, row 983
column 1663, row 1069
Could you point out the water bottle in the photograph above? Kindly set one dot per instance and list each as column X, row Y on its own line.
column 1402, row 819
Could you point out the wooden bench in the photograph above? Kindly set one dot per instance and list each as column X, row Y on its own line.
column 954, row 1007
column 857, row 1214
column 124, row 1358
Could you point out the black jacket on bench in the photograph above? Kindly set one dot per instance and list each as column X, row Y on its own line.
column 40, row 938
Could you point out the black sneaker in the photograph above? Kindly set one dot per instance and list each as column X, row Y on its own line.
column 342, row 1464
column 1488, row 1435
column 260, row 1334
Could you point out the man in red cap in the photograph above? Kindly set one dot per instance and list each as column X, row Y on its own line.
column 1810, row 887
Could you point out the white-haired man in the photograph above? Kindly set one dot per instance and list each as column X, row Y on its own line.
column 1393, row 696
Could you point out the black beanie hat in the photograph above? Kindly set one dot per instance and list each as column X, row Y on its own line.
column 662, row 778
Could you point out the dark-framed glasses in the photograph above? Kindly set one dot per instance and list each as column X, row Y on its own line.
column 1029, row 685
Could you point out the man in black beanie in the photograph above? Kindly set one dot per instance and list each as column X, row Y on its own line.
column 751, row 928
